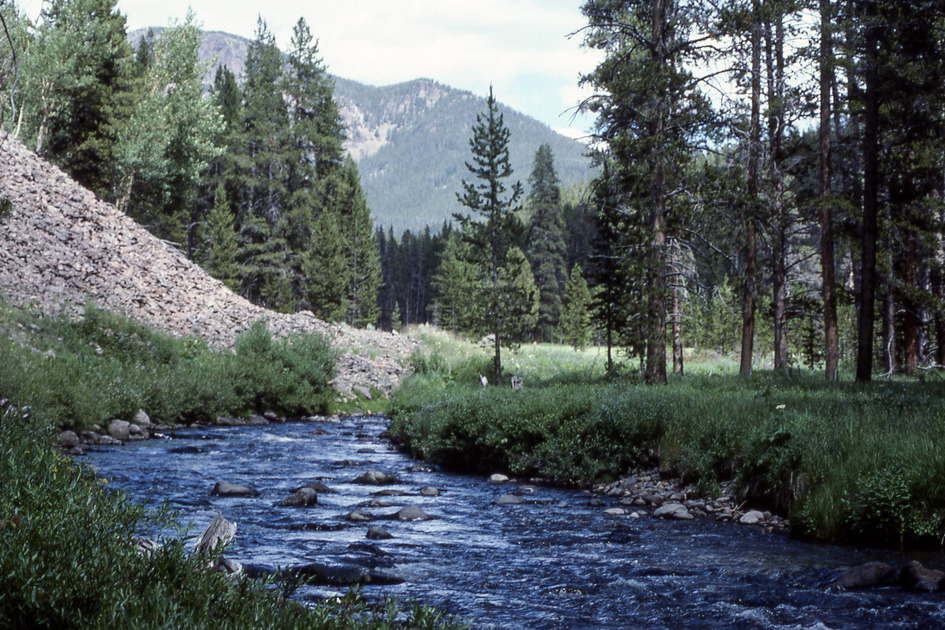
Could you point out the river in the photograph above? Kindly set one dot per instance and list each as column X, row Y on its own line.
column 557, row 561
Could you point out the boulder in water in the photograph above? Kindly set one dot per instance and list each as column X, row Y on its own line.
column 412, row 513
column 227, row 489
column 429, row 491
column 510, row 499
column 359, row 516
column 917, row 577
column 379, row 533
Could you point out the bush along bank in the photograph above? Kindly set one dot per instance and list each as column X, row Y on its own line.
column 84, row 373
column 844, row 463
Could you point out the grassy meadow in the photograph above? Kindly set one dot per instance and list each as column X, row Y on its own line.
column 847, row 463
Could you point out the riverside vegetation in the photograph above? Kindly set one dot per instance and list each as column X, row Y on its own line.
column 67, row 551
column 847, row 463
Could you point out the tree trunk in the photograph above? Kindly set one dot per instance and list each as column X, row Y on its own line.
column 775, row 56
column 911, row 323
column 828, row 270
column 751, row 246
column 656, row 307
column 676, row 307
column 864, row 347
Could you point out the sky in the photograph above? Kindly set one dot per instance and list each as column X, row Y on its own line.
column 520, row 47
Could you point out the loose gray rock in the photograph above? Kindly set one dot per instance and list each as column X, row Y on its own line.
column 303, row 497
column 412, row 513
column 120, row 430
column 429, row 491
column 379, row 533
column 136, row 432
column 753, row 517
column 364, row 391
column 510, row 499
column 867, row 575
column 676, row 511
column 376, row 478
column 498, row 478
column 615, row 512
column 141, row 419
column 227, row 489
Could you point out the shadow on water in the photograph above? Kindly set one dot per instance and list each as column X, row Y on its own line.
column 553, row 562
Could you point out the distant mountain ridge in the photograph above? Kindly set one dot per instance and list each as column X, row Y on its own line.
column 411, row 140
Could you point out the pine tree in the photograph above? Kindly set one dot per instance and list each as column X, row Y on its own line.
column 576, row 318
column 263, row 155
column 493, row 232
column 546, row 246
column 221, row 249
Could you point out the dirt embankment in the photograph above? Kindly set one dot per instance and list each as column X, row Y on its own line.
column 61, row 246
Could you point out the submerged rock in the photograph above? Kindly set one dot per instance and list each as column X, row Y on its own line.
column 359, row 516
column 867, row 575
column 376, row 478
column 317, row 486
column 429, row 491
column 510, row 499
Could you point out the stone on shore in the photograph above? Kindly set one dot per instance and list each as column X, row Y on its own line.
column 752, row 517
column 69, row 440
column 120, row 430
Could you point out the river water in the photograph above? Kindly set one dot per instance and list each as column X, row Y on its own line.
column 557, row 561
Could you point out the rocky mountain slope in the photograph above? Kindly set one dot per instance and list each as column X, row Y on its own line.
column 411, row 140
column 61, row 247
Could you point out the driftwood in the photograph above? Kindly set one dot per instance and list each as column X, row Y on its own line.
column 219, row 532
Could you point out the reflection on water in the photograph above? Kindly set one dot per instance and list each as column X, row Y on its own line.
column 554, row 562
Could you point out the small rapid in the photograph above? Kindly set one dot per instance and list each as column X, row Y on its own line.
column 555, row 561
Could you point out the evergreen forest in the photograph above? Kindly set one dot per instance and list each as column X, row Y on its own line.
column 769, row 181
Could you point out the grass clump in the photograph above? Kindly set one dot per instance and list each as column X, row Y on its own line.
column 67, row 558
column 105, row 366
column 846, row 463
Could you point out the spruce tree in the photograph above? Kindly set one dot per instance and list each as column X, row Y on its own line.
column 221, row 245
column 520, row 298
column 546, row 246
column 363, row 266
column 493, row 224
column 456, row 284
column 324, row 268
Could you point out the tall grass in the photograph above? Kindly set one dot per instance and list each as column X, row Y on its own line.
column 847, row 463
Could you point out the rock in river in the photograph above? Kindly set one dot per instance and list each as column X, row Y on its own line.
column 227, row 489
column 510, row 499
column 379, row 533
column 303, row 497
column 916, row 577
column 866, row 576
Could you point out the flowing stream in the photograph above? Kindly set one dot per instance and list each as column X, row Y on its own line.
column 557, row 561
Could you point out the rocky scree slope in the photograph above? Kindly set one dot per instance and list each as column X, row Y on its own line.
column 61, row 247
